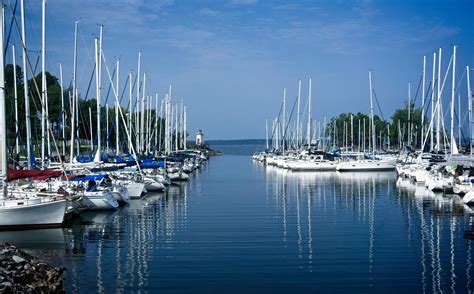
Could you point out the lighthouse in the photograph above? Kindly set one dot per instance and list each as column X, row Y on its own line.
column 199, row 138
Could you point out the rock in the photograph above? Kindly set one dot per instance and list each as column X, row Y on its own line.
column 18, row 259
column 21, row 272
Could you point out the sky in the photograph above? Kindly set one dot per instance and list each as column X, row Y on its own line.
column 229, row 60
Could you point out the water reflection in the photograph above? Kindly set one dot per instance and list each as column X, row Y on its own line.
column 237, row 226
column 372, row 205
column 120, row 244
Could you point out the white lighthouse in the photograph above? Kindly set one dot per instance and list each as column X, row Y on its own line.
column 199, row 138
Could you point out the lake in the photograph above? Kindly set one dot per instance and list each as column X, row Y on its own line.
column 238, row 226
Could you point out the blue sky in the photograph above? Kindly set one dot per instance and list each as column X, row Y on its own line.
column 229, row 60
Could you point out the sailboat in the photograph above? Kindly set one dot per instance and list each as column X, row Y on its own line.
column 21, row 209
column 363, row 164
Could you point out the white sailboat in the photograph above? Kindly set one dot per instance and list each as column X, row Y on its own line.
column 367, row 164
column 22, row 210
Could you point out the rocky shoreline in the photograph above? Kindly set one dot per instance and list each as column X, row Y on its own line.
column 21, row 272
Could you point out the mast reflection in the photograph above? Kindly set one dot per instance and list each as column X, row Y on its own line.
column 433, row 223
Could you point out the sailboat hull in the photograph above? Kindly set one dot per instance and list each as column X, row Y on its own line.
column 365, row 166
column 41, row 215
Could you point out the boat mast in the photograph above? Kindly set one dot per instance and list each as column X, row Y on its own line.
column 409, row 115
column 372, row 112
column 3, row 120
column 388, row 137
column 107, row 127
column 423, row 104
column 459, row 119
column 358, row 141
column 182, row 125
column 161, row 124
column 137, row 114
column 25, row 86
column 176, row 127
column 43, row 83
column 117, row 128
column 324, row 134
column 266, row 133
column 130, row 111
column 438, row 103
column 142, row 116
column 433, row 79
column 298, row 116
column 15, row 91
column 97, row 86
column 309, row 114
column 352, row 131
column 63, row 118
column 185, row 127
column 284, row 120
column 469, row 97
column 90, row 130
column 170, row 121
column 453, row 94
column 156, row 124
column 74, row 102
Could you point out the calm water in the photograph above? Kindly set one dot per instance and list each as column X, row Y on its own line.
column 238, row 226
column 239, row 149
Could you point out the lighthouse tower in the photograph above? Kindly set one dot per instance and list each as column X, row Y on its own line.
column 199, row 138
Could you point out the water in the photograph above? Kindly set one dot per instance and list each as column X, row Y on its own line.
column 238, row 226
column 238, row 149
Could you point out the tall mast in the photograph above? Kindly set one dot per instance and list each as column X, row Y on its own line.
column 182, row 125
column 137, row 128
column 459, row 119
column 298, row 135
column 3, row 121
column 399, row 136
column 309, row 113
column 352, row 131
column 453, row 91
column 469, row 97
column 156, row 123
column 117, row 127
column 161, row 124
column 142, row 116
column 358, row 141
column 147, row 127
column 372, row 112
column 25, row 86
column 63, row 118
column 184, row 129
column 97, row 86
column 438, row 103
column 409, row 114
column 433, row 79
column 90, row 130
column 130, row 111
column 43, row 83
column 107, row 140
column 266, row 133
column 176, row 127
column 74, row 101
column 423, row 105
column 284, row 120
column 388, row 137
column 324, row 134
column 15, row 91
column 170, row 121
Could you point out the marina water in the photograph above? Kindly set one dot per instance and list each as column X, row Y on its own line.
column 240, row 226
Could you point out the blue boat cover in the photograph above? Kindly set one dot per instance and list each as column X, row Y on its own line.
column 88, row 177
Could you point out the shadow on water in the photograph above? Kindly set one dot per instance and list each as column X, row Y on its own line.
column 238, row 225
